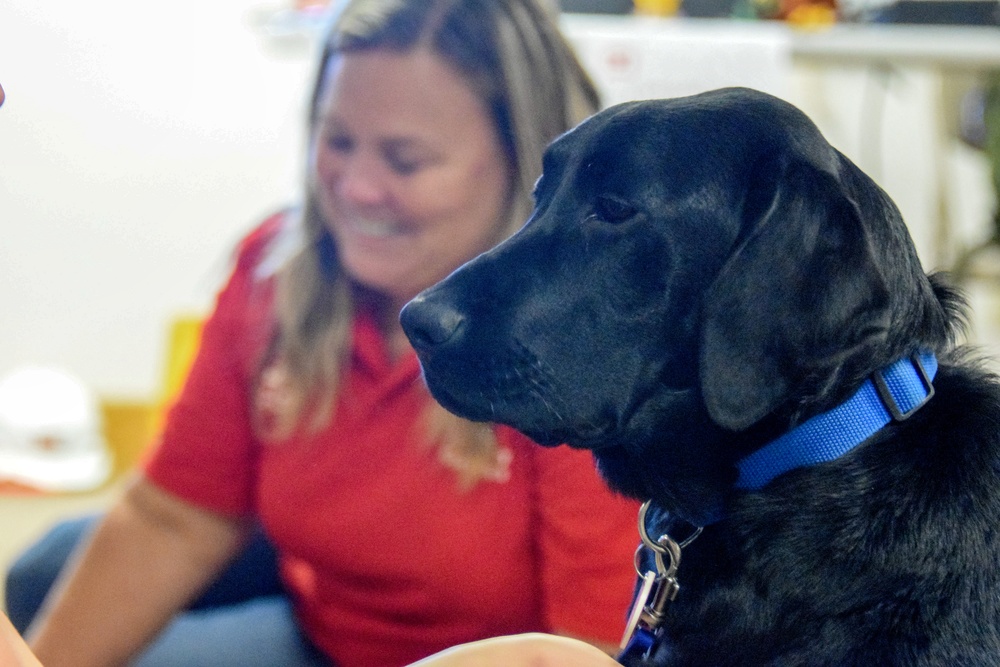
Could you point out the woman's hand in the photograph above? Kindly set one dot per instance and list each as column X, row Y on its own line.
column 527, row 650
column 13, row 651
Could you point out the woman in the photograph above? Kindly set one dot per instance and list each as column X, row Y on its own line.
column 400, row 529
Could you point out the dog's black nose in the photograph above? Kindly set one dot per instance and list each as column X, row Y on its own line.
column 429, row 323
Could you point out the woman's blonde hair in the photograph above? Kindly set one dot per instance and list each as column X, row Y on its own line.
column 514, row 58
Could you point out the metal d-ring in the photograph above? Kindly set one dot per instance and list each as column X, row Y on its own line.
column 663, row 546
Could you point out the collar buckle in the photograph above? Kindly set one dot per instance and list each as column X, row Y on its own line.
column 890, row 402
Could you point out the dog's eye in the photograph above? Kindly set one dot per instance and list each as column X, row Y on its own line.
column 612, row 209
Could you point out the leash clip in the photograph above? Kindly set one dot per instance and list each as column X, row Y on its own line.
column 657, row 589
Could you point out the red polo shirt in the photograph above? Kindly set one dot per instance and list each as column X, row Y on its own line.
column 386, row 559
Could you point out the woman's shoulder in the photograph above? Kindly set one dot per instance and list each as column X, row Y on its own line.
column 259, row 248
column 244, row 305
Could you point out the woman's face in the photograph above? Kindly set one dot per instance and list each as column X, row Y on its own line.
column 409, row 172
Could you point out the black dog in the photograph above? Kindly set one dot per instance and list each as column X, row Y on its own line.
column 703, row 282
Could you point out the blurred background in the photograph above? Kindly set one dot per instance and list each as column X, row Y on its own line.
column 139, row 142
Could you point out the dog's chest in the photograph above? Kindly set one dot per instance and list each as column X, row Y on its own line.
column 815, row 586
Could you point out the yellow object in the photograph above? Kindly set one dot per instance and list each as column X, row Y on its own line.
column 185, row 336
column 812, row 16
column 657, row 7
column 131, row 425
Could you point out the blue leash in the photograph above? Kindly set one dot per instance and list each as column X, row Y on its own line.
column 892, row 394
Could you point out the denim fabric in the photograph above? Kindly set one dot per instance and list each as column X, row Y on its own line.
column 244, row 618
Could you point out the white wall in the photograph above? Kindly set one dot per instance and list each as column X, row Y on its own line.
column 138, row 142
column 895, row 127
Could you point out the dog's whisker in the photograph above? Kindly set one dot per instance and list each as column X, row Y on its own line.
column 551, row 408
column 538, row 390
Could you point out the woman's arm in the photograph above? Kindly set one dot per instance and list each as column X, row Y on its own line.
column 527, row 650
column 147, row 559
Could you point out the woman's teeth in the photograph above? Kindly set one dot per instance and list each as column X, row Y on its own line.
column 376, row 228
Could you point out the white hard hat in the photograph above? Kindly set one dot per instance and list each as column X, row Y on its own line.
column 50, row 432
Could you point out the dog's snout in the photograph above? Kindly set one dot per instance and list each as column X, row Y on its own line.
column 429, row 323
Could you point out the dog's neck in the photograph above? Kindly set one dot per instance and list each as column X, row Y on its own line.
column 892, row 394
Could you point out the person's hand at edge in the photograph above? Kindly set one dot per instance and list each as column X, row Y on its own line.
column 13, row 651
column 525, row 650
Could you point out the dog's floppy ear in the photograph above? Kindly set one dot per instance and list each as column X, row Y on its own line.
column 801, row 294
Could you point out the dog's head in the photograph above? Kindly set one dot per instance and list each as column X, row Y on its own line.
column 694, row 269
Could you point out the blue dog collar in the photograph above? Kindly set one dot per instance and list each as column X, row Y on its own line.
column 892, row 394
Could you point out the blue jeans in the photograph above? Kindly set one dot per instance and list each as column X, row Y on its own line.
column 244, row 619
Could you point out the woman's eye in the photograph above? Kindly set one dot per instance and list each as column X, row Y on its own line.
column 339, row 142
column 612, row 209
column 406, row 157
column 403, row 166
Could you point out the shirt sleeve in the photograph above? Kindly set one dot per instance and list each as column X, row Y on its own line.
column 586, row 539
column 206, row 453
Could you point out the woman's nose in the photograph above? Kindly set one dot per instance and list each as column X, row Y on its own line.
column 360, row 182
